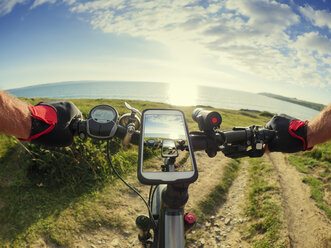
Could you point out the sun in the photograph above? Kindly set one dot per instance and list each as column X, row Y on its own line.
column 183, row 94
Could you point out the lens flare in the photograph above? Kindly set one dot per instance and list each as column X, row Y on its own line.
column 182, row 94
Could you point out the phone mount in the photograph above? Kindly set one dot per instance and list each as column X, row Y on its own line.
column 131, row 121
column 172, row 162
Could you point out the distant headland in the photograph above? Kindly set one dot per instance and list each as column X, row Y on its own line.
column 312, row 105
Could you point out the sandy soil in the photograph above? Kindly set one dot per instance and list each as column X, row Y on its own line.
column 224, row 228
column 306, row 226
column 210, row 173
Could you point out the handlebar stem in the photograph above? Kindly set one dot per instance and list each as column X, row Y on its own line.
column 175, row 196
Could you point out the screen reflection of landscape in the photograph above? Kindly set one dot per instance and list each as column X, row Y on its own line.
column 165, row 144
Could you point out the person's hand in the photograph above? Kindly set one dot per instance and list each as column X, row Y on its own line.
column 291, row 134
column 51, row 123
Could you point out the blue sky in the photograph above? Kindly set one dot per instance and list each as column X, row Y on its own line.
column 283, row 47
column 165, row 126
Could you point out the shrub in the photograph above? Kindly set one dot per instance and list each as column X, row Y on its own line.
column 266, row 114
column 83, row 163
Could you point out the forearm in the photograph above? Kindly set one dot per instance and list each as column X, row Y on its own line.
column 15, row 117
column 319, row 128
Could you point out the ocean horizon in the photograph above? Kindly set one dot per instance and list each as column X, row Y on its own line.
column 166, row 93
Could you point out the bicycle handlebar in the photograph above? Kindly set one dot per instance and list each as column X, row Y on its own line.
column 79, row 128
column 121, row 132
column 233, row 143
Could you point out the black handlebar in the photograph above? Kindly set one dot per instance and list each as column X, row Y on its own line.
column 233, row 143
column 79, row 128
column 121, row 132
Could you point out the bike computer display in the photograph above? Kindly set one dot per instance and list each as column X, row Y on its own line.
column 103, row 115
column 165, row 152
column 102, row 122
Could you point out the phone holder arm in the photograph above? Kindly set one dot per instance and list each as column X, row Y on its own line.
column 133, row 123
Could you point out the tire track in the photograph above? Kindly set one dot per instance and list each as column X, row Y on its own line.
column 307, row 225
column 224, row 229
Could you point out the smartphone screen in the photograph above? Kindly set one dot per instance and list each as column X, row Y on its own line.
column 165, row 150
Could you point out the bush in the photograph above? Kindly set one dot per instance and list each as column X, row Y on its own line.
column 320, row 152
column 266, row 114
column 7, row 143
column 248, row 114
column 316, row 153
column 83, row 163
column 150, row 152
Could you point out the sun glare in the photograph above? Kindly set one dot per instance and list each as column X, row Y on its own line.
column 182, row 94
column 174, row 136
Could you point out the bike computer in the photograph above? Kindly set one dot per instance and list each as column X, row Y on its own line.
column 102, row 122
column 172, row 162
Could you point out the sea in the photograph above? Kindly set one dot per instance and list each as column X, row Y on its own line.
column 175, row 94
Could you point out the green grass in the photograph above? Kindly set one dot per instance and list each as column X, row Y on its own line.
column 316, row 166
column 57, row 193
column 7, row 143
column 266, row 114
column 184, row 159
column 302, row 165
column 262, row 209
column 317, row 193
column 218, row 195
column 320, row 152
column 53, row 201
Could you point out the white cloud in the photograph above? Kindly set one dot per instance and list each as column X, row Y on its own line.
column 97, row 5
column 6, row 6
column 249, row 36
column 40, row 2
column 313, row 42
column 313, row 54
column 264, row 15
column 69, row 2
column 140, row 17
column 320, row 18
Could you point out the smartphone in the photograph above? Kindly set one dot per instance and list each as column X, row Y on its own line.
column 165, row 151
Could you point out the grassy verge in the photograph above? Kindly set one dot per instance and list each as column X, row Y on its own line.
column 218, row 195
column 184, row 159
column 7, row 143
column 316, row 165
column 58, row 200
column 317, row 193
column 262, row 207
column 56, row 194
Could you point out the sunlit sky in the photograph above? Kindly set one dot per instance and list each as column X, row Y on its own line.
column 165, row 126
column 282, row 47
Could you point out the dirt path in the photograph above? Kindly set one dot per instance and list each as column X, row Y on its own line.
column 307, row 225
column 223, row 229
column 210, row 173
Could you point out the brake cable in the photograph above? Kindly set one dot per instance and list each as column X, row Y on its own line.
column 131, row 187
column 149, row 195
column 152, row 198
